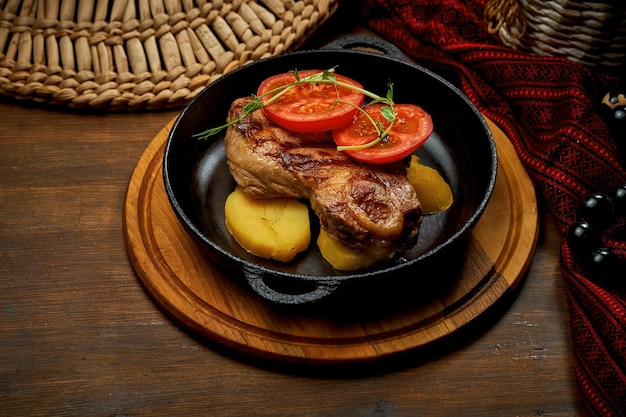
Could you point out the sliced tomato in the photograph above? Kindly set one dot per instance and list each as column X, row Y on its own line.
column 411, row 129
column 311, row 107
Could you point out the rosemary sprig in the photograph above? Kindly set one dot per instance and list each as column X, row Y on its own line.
column 247, row 110
column 257, row 102
column 324, row 77
column 388, row 113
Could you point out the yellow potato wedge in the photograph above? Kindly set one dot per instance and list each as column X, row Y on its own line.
column 432, row 190
column 272, row 228
column 341, row 257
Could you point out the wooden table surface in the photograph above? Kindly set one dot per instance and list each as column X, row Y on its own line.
column 80, row 336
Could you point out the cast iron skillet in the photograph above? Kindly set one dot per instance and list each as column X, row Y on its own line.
column 197, row 179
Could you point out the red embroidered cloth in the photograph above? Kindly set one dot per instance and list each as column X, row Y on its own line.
column 548, row 109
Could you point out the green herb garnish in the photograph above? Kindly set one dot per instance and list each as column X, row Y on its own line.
column 324, row 77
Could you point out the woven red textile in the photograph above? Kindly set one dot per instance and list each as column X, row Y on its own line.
column 548, row 109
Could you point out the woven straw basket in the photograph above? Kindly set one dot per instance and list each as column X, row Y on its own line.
column 141, row 54
column 590, row 32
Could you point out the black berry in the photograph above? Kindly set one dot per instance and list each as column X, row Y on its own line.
column 582, row 238
column 619, row 200
column 604, row 267
column 597, row 209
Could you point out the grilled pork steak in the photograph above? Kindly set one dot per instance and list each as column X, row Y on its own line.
column 373, row 209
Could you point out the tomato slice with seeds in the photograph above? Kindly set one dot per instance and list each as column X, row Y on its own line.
column 311, row 107
column 411, row 129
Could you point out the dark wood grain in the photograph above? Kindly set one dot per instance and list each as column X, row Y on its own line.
column 80, row 336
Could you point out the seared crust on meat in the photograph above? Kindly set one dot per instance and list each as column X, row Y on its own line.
column 373, row 209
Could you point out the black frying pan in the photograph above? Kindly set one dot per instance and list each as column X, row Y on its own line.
column 197, row 179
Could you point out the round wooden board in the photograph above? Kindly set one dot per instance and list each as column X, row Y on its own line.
column 182, row 280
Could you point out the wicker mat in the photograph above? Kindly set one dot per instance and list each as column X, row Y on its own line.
column 592, row 33
column 141, row 54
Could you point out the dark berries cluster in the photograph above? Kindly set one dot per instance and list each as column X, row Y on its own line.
column 597, row 212
column 613, row 111
column 616, row 103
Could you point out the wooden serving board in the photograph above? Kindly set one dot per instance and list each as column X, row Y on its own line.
column 186, row 285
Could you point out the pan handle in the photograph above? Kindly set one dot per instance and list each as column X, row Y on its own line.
column 286, row 291
column 372, row 44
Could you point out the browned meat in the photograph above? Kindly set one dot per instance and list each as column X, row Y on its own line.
column 370, row 208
